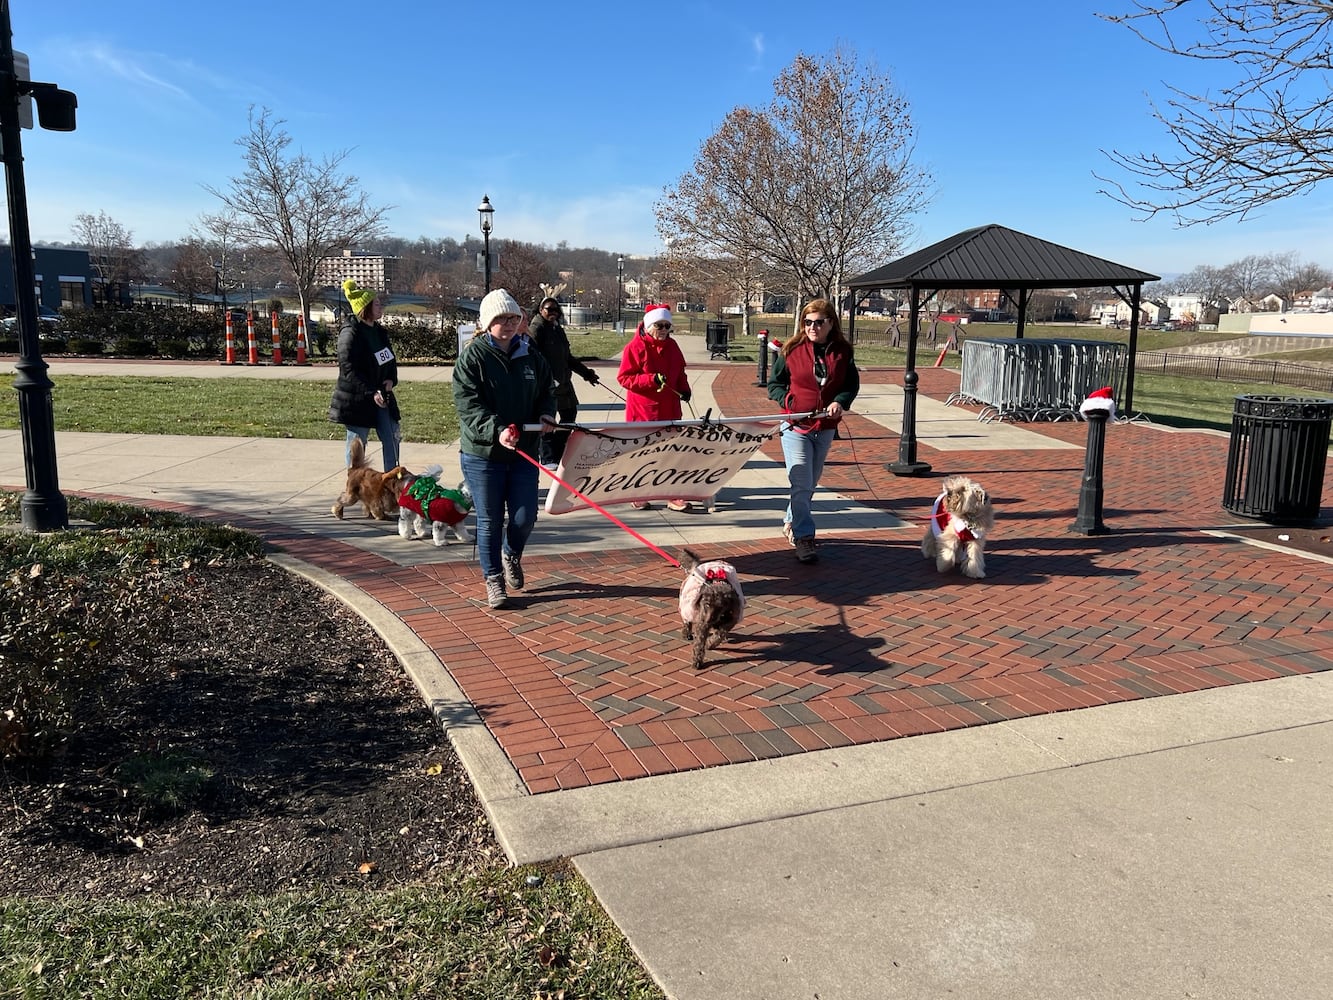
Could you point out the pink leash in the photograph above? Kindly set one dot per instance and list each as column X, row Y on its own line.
column 602, row 510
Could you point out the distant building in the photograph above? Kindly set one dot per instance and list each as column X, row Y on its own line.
column 63, row 279
column 369, row 270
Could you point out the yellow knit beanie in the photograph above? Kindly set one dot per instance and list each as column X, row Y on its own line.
column 359, row 297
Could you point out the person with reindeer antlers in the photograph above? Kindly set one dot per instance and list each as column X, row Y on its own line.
column 814, row 371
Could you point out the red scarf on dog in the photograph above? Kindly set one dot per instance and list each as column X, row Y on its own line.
column 941, row 519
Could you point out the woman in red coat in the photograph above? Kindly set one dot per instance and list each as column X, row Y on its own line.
column 652, row 370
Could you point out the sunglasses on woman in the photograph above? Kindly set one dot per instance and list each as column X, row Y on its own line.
column 816, row 321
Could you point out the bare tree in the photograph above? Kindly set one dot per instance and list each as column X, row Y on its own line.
column 1264, row 137
column 1291, row 277
column 522, row 270
column 192, row 270
column 302, row 209
column 219, row 236
column 110, row 247
column 814, row 187
column 1251, row 277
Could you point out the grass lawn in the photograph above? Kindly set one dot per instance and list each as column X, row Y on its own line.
column 243, row 407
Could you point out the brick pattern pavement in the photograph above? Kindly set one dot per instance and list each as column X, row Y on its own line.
column 584, row 678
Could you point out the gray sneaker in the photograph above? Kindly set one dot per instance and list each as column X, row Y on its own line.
column 513, row 571
column 805, row 549
column 495, row 592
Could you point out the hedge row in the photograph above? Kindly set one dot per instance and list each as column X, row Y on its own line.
column 185, row 333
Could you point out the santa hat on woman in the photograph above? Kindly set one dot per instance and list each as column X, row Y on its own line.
column 655, row 314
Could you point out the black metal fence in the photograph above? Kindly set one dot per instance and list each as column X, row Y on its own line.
column 1259, row 370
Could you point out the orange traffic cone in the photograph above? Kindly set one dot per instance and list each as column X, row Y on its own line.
column 250, row 339
column 230, row 358
column 301, row 346
column 277, row 341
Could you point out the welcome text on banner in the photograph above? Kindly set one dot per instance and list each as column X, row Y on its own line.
column 624, row 462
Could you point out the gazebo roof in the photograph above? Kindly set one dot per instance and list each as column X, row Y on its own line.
column 996, row 257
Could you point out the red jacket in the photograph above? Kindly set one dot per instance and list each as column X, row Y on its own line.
column 644, row 358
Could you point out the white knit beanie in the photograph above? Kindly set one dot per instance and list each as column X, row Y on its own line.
column 497, row 303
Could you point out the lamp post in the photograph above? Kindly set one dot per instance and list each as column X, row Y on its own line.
column 42, row 507
column 485, row 211
column 620, row 292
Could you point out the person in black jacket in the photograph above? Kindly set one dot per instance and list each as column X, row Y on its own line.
column 367, row 373
column 549, row 337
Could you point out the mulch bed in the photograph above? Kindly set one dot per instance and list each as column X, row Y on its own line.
column 323, row 765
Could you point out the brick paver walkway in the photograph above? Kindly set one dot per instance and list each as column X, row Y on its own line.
column 584, row 678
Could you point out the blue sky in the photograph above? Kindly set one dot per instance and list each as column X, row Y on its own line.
column 574, row 117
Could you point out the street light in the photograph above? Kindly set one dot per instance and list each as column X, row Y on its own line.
column 42, row 507
column 485, row 211
column 620, row 293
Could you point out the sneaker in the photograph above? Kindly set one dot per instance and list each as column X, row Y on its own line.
column 786, row 532
column 805, row 549
column 495, row 592
column 513, row 571
column 641, row 505
column 678, row 505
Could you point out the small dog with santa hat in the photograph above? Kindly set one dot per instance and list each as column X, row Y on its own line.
column 960, row 520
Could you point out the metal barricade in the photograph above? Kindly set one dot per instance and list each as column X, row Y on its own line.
column 1030, row 378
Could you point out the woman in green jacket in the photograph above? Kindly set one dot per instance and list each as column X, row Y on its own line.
column 501, row 383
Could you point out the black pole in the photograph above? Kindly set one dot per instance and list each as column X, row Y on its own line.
column 1089, row 520
column 763, row 358
column 42, row 506
column 1135, row 303
column 486, row 235
column 907, row 464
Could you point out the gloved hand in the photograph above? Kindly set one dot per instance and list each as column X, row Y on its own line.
column 593, row 378
column 685, row 395
column 659, row 380
column 509, row 437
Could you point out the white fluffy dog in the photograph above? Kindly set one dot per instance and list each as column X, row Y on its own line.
column 960, row 520
column 423, row 501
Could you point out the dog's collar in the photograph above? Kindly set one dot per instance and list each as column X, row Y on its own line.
column 941, row 519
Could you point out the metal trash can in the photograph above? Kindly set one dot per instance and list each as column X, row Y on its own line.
column 716, row 337
column 1275, row 465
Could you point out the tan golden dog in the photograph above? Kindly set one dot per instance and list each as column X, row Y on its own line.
column 960, row 520
column 376, row 491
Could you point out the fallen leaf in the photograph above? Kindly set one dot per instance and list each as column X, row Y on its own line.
column 435, row 769
column 366, row 867
column 546, row 956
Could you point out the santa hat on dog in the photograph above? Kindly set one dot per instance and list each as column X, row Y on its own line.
column 1099, row 400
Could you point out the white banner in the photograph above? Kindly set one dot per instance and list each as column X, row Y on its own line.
column 627, row 462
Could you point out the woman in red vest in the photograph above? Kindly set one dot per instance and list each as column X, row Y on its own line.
column 814, row 372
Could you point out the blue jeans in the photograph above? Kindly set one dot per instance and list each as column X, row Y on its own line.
column 499, row 488
column 386, row 429
column 804, row 455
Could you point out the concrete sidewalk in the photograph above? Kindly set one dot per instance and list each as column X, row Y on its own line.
column 1154, row 847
